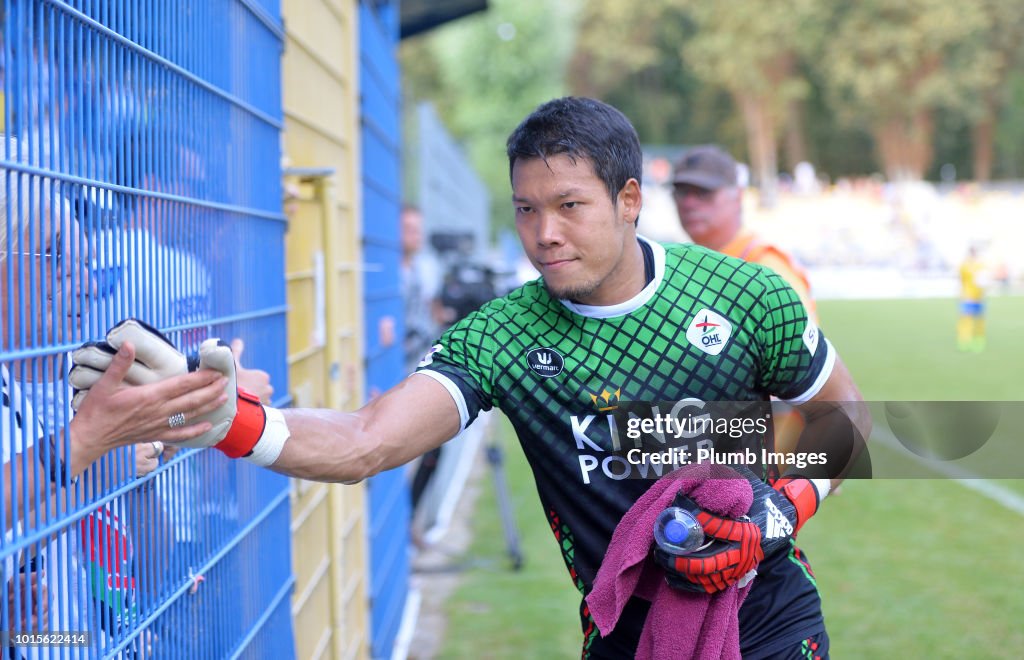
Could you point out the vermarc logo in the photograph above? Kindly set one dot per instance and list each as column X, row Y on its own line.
column 545, row 362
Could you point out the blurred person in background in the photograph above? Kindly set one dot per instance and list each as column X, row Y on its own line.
column 709, row 200
column 420, row 289
column 421, row 284
column 970, row 327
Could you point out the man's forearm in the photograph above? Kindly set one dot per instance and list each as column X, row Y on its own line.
column 395, row 428
column 837, row 423
column 840, row 431
column 327, row 445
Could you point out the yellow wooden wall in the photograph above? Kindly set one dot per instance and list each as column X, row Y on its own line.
column 321, row 146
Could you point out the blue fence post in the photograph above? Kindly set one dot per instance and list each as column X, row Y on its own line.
column 388, row 493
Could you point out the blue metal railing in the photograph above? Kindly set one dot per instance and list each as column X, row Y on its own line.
column 140, row 176
column 388, row 493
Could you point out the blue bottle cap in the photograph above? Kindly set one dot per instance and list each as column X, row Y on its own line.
column 676, row 531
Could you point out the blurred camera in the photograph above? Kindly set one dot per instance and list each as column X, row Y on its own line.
column 467, row 284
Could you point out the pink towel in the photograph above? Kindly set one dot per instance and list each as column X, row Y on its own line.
column 680, row 624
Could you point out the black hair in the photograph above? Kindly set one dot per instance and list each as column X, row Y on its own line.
column 581, row 128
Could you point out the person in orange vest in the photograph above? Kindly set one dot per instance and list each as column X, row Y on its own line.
column 709, row 200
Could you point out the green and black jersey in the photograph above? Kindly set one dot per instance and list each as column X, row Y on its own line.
column 708, row 327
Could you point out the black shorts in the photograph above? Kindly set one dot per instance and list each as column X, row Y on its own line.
column 814, row 647
column 622, row 642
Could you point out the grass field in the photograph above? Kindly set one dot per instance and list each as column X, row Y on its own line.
column 921, row 568
column 906, row 349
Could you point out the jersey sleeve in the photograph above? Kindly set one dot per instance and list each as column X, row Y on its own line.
column 461, row 361
column 796, row 358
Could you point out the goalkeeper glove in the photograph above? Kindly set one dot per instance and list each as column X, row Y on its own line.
column 242, row 426
column 736, row 547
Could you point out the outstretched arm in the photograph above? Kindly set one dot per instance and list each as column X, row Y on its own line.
column 323, row 445
column 116, row 413
column 408, row 420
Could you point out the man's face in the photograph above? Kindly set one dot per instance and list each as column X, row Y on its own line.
column 49, row 275
column 412, row 231
column 710, row 217
column 571, row 230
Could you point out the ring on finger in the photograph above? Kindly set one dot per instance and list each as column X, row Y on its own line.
column 158, row 448
column 176, row 420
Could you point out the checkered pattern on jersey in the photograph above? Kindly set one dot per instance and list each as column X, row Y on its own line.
column 770, row 316
column 642, row 356
column 566, row 544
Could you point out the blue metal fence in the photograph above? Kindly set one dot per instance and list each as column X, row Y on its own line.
column 140, row 177
column 388, row 493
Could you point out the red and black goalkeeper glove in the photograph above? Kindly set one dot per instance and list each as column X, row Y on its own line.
column 737, row 546
column 731, row 550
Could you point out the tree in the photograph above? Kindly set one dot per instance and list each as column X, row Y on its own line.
column 891, row 64
column 489, row 71
column 1010, row 129
column 753, row 53
column 628, row 55
column 1000, row 44
column 615, row 41
column 826, row 80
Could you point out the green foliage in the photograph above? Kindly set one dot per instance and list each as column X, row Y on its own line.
column 628, row 55
column 487, row 72
column 1001, row 46
column 1010, row 129
column 617, row 40
column 836, row 148
column 752, row 52
column 920, row 64
column 680, row 69
column 754, row 55
column 889, row 58
column 952, row 144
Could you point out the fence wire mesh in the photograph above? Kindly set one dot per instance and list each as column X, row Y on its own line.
column 140, row 178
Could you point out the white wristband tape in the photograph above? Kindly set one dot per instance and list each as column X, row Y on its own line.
column 823, row 486
column 271, row 443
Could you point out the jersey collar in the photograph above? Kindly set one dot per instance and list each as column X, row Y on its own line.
column 634, row 303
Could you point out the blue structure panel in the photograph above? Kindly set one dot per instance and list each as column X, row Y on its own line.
column 140, row 177
column 388, row 493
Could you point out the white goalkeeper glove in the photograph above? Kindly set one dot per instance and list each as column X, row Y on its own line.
column 242, row 427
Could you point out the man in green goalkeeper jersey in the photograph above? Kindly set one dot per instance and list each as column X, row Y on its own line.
column 614, row 317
